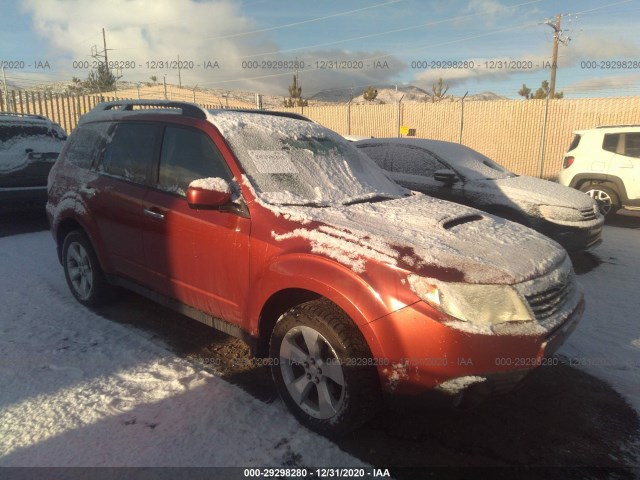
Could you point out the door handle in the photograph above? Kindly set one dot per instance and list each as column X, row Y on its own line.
column 153, row 214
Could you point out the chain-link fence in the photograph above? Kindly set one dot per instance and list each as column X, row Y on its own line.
column 526, row 136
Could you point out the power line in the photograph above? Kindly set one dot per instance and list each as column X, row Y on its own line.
column 599, row 8
column 303, row 22
column 397, row 30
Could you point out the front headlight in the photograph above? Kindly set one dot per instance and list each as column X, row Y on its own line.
column 483, row 305
column 565, row 214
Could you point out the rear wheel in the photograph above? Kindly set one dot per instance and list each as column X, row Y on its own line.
column 323, row 369
column 607, row 198
column 82, row 270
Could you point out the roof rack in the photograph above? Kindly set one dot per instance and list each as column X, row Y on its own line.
column 274, row 113
column 27, row 115
column 187, row 109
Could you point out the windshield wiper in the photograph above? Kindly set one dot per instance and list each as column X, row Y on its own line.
column 374, row 199
column 305, row 204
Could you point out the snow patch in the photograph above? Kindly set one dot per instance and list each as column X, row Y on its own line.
column 213, row 184
column 457, row 385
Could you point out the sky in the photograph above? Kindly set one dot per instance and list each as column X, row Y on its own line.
column 341, row 46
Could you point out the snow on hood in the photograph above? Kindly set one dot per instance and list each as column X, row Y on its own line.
column 542, row 192
column 427, row 236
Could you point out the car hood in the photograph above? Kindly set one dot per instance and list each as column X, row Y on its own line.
column 536, row 191
column 427, row 236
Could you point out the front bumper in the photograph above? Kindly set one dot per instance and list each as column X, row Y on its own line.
column 575, row 238
column 419, row 358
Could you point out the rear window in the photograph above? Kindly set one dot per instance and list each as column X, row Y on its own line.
column 575, row 142
column 13, row 131
column 86, row 144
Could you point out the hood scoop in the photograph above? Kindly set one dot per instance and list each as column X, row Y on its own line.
column 454, row 222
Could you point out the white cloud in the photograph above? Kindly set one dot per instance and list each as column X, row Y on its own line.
column 598, row 47
column 160, row 30
column 611, row 82
column 497, row 68
column 489, row 11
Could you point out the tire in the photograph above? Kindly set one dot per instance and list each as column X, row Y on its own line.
column 322, row 369
column 82, row 270
column 607, row 198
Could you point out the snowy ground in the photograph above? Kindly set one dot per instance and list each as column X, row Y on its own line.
column 77, row 389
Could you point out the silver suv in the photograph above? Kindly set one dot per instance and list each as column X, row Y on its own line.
column 604, row 162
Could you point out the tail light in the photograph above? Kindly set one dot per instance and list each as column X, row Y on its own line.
column 568, row 161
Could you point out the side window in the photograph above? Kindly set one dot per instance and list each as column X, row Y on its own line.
column 610, row 142
column 87, row 144
column 187, row 155
column 632, row 145
column 377, row 153
column 129, row 151
column 415, row 161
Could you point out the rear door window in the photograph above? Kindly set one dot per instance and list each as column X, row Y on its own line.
column 610, row 142
column 130, row 151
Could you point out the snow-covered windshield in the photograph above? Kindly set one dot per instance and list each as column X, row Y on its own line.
column 295, row 162
column 470, row 164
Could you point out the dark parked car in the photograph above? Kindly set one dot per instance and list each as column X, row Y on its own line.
column 457, row 173
column 275, row 229
column 29, row 145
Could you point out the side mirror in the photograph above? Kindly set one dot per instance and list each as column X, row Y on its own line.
column 446, row 176
column 208, row 193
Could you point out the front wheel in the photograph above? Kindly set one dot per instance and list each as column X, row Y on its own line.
column 607, row 198
column 82, row 270
column 323, row 370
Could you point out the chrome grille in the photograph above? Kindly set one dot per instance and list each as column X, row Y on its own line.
column 588, row 214
column 546, row 303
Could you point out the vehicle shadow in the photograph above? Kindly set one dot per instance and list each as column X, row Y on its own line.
column 15, row 220
column 560, row 417
column 625, row 218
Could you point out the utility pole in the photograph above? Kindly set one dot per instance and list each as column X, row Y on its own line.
column 557, row 39
column 6, row 94
column 104, row 42
column 554, row 60
column 179, row 76
column 101, row 56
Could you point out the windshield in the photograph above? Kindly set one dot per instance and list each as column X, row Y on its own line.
column 295, row 162
column 472, row 165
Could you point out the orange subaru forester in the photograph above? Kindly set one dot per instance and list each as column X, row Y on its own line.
column 274, row 229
